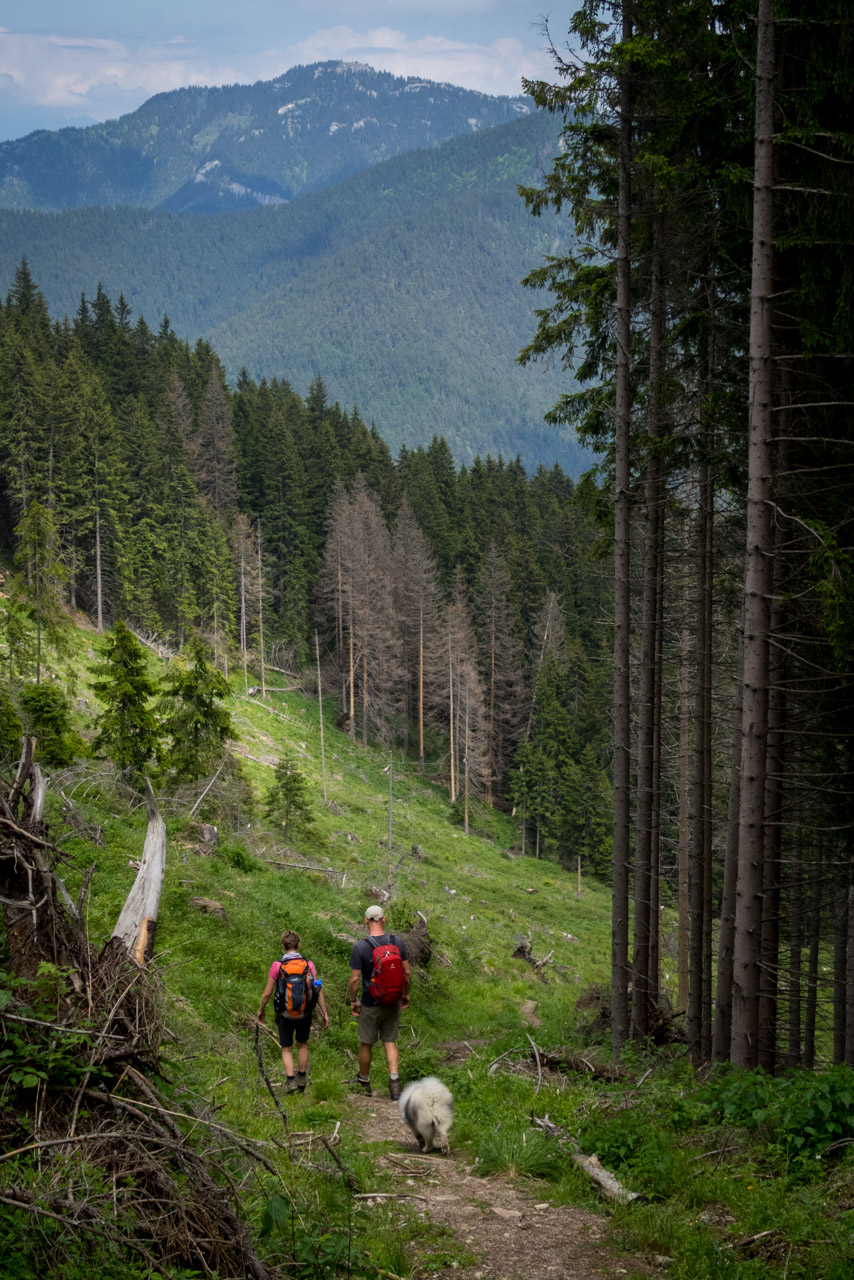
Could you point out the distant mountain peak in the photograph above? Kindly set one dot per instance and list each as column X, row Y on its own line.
column 219, row 150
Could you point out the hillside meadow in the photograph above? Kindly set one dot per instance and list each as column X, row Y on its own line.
column 740, row 1175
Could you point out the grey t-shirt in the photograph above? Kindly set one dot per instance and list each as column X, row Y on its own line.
column 362, row 957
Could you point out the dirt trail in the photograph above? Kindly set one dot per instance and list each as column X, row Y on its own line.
column 513, row 1234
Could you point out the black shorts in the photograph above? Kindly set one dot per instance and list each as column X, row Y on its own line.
column 291, row 1029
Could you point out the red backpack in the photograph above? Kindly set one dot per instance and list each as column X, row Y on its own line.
column 388, row 980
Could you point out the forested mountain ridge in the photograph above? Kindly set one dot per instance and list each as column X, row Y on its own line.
column 418, row 259
column 214, row 150
column 137, row 486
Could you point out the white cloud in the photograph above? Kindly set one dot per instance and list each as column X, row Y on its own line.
column 357, row 7
column 96, row 78
column 100, row 75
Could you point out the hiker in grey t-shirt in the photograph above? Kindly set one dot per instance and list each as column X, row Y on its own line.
column 377, row 1021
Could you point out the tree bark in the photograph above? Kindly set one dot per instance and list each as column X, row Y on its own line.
column 811, row 1008
column 645, row 926
column 700, row 852
column 840, row 972
column 261, row 614
column 683, row 860
column 722, row 1034
column 622, row 566
column 751, row 823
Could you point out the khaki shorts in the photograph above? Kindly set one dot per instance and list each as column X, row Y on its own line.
column 378, row 1022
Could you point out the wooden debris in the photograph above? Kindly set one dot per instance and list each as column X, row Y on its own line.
column 524, row 951
column 607, row 1182
column 137, row 920
column 561, row 1057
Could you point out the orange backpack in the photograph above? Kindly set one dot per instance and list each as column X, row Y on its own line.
column 291, row 998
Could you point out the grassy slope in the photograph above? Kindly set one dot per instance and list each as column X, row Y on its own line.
column 213, row 973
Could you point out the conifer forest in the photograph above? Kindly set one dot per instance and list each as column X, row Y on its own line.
column 650, row 667
column 585, row 735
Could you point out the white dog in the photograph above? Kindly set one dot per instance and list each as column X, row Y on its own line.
column 428, row 1108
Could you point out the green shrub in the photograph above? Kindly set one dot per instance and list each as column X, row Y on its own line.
column 802, row 1113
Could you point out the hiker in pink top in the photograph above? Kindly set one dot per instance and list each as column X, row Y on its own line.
column 298, row 991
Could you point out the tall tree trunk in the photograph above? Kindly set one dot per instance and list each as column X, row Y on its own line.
column 451, row 717
column 706, row 1037
column 421, row 688
column 796, row 929
column 99, row 596
column 466, row 767
column 655, row 841
column 683, row 857
column 622, row 566
column 645, row 925
column 261, row 614
column 848, row 1056
column 699, row 847
column 364, row 697
column 757, row 589
column 722, row 1035
column 243, row 621
column 840, row 971
column 38, row 622
column 490, row 749
column 811, row 1008
column 352, row 726
column 770, row 933
column 320, row 715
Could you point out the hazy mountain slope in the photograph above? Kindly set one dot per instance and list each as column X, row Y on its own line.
column 400, row 286
column 205, row 150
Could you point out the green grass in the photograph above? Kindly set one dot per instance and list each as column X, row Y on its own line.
column 655, row 1138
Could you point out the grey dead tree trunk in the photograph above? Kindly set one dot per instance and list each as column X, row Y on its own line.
column 320, row 716
column 622, row 566
column 137, row 920
column 261, row 614
column 757, row 587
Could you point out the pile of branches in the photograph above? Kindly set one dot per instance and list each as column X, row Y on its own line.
column 91, row 1143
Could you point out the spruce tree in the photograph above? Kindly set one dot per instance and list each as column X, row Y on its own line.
column 287, row 801
column 38, row 586
column 195, row 720
column 128, row 731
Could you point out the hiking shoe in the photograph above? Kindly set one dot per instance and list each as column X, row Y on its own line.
column 394, row 1090
column 291, row 1086
column 301, row 1081
column 363, row 1086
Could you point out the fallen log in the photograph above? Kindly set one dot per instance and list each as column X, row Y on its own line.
column 606, row 1181
column 137, row 920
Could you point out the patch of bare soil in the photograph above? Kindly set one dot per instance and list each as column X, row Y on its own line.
column 512, row 1234
column 529, row 1015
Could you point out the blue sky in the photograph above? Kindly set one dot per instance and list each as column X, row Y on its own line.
column 68, row 62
